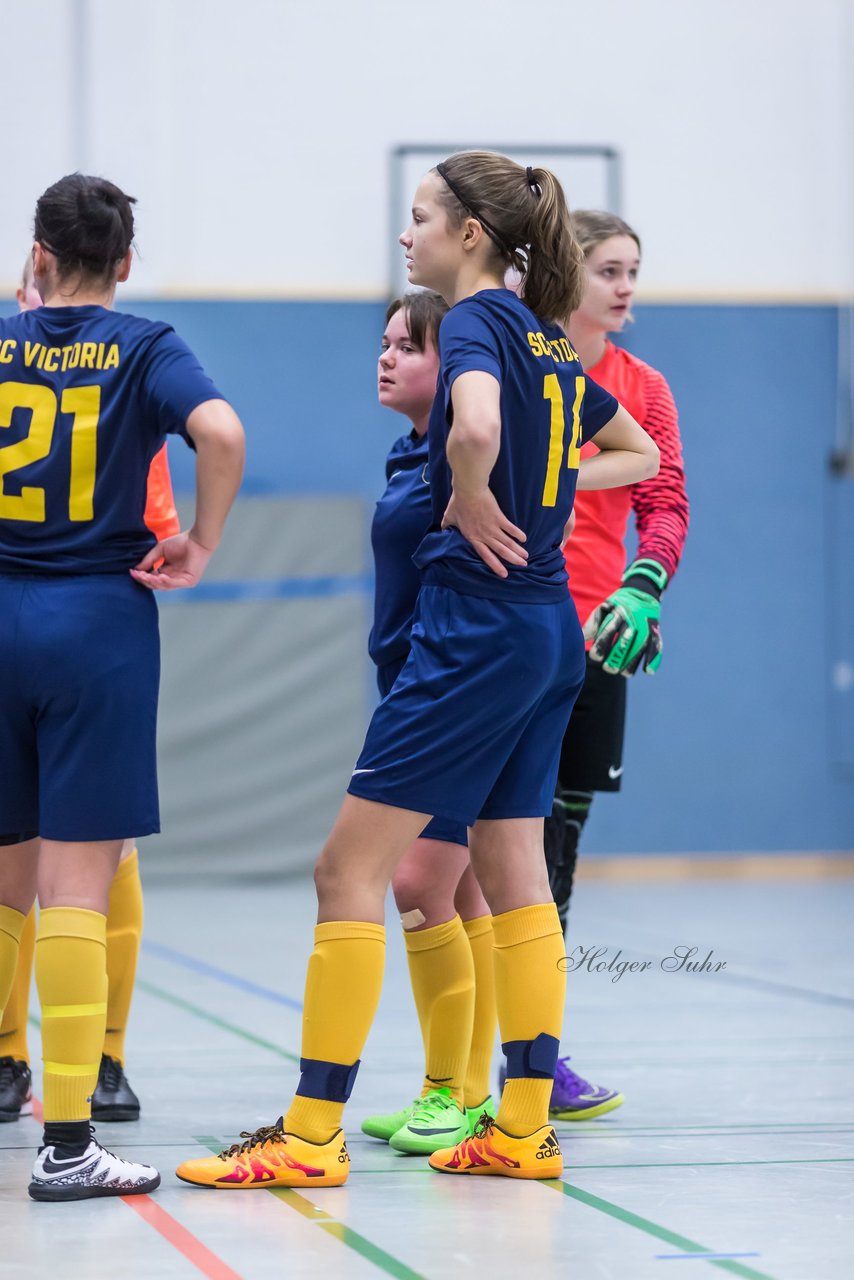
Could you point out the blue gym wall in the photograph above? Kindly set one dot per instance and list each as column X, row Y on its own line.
column 735, row 744
column 739, row 743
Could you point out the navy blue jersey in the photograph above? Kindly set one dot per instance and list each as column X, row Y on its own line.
column 86, row 398
column 548, row 410
column 403, row 514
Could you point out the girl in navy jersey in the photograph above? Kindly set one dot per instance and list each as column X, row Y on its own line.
column 472, row 727
column 87, row 397
column 446, row 921
column 113, row 1099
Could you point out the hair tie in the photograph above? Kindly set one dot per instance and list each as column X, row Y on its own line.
column 532, row 183
column 490, row 230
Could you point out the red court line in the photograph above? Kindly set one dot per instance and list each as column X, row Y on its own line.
column 180, row 1238
column 168, row 1227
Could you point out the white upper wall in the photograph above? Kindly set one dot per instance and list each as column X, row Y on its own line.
column 256, row 133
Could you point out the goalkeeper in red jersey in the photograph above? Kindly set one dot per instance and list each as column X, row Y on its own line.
column 619, row 606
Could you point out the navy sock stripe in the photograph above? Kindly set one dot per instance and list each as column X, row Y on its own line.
column 532, row 1059
column 328, row 1081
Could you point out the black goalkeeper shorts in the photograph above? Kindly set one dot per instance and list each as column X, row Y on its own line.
column 591, row 758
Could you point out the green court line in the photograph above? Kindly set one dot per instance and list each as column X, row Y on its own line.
column 399, row 1270
column 339, row 1230
column 214, row 1020
column 712, row 1164
column 653, row 1229
column 371, row 1252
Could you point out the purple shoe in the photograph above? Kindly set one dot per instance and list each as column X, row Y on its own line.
column 573, row 1098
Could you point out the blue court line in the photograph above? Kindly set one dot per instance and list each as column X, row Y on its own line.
column 707, row 1257
column 271, row 589
column 221, row 975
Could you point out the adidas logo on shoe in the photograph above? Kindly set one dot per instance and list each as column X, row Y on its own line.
column 343, row 1154
column 549, row 1148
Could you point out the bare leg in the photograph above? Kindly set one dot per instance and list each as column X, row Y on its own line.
column 128, row 847
column 426, row 881
column 18, row 875
column 77, row 874
column 468, row 899
column 359, row 858
column 508, row 861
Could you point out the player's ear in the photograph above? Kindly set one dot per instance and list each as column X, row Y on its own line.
column 124, row 267
column 39, row 259
column 472, row 234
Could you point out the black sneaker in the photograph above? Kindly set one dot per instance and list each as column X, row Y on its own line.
column 96, row 1172
column 113, row 1098
column 15, row 1090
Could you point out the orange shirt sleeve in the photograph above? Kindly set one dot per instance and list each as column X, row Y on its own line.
column 160, row 514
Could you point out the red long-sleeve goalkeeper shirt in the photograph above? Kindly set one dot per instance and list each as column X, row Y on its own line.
column 596, row 553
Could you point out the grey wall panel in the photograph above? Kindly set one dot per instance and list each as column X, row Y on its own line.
column 262, row 714
column 294, row 537
column 263, row 701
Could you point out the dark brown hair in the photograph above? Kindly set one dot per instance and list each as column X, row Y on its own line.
column 592, row 226
column 528, row 221
column 86, row 223
column 423, row 312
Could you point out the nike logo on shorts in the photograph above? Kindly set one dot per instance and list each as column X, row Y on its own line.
column 614, row 773
column 355, row 771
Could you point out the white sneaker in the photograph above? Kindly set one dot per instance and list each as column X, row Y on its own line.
column 97, row 1172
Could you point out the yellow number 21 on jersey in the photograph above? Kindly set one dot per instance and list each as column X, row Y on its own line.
column 553, row 393
column 84, row 405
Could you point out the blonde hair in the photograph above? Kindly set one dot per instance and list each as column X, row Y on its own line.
column 525, row 214
column 592, row 226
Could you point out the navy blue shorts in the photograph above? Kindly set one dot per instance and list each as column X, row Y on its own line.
column 79, row 677
column 474, row 723
column 437, row 828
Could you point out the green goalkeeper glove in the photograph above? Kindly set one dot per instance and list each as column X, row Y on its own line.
column 625, row 628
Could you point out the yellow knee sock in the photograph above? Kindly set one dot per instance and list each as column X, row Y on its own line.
column 124, row 930
column 342, row 991
column 13, row 1021
column 530, row 988
column 11, row 928
column 481, row 941
column 71, row 973
column 442, row 975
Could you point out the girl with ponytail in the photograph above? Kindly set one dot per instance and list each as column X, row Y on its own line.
column 472, row 727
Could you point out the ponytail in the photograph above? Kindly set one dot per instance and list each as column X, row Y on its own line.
column 553, row 285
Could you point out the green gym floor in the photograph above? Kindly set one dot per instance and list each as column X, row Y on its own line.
column 732, row 1154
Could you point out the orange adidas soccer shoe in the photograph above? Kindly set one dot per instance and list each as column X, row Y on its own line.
column 271, row 1158
column 492, row 1151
